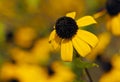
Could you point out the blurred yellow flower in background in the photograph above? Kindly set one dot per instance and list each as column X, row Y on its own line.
column 24, row 37
column 67, row 34
column 41, row 50
column 112, row 8
column 112, row 76
column 104, row 40
column 115, row 61
column 7, row 71
column 113, row 24
column 60, row 73
column 35, row 73
column 22, row 73
column 21, row 56
column 114, row 73
column 39, row 53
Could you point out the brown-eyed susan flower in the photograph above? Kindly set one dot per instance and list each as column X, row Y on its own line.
column 113, row 9
column 113, row 16
column 67, row 34
column 58, row 72
column 114, row 74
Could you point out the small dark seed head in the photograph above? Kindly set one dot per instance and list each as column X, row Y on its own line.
column 50, row 71
column 104, row 63
column 13, row 80
column 113, row 7
column 66, row 27
column 107, row 66
column 9, row 36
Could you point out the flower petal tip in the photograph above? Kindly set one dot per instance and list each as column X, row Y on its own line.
column 71, row 14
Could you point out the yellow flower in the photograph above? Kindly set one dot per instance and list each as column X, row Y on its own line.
column 39, row 53
column 113, row 16
column 60, row 73
column 113, row 24
column 116, row 61
column 104, row 40
column 67, row 34
column 41, row 50
column 114, row 74
column 24, row 37
column 22, row 73
column 113, row 21
column 22, row 56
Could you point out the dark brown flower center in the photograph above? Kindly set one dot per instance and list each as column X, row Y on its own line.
column 66, row 27
column 113, row 7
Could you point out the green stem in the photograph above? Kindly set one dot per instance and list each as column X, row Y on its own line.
column 88, row 75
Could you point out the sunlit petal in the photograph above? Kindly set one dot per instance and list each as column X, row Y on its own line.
column 81, row 47
column 86, row 20
column 66, row 50
column 71, row 14
column 88, row 37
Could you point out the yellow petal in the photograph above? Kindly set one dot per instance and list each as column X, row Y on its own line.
column 115, row 22
column 71, row 14
column 54, row 40
column 88, row 37
column 52, row 36
column 82, row 48
column 86, row 20
column 99, row 14
column 66, row 50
